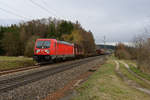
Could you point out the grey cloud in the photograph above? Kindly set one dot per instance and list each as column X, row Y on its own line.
column 118, row 20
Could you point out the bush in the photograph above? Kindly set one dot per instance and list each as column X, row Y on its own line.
column 121, row 52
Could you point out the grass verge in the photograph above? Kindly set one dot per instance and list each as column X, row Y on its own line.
column 132, row 65
column 106, row 85
column 7, row 63
column 140, row 73
column 132, row 77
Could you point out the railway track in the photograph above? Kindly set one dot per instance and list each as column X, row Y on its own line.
column 9, row 84
column 17, row 70
column 4, row 72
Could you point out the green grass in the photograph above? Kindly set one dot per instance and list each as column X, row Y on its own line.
column 132, row 77
column 14, row 62
column 106, row 85
column 140, row 73
column 131, row 64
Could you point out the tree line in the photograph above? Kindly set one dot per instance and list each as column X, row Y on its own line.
column 19, row 39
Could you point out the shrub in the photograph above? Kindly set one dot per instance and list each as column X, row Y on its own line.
column 121, row 52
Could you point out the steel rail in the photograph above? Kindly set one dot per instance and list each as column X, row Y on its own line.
column 9, row 84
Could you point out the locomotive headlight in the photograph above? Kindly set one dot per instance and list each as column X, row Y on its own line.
column 37, row 51
column 47, row 51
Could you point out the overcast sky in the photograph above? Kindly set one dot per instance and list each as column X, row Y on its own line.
column 118, row 20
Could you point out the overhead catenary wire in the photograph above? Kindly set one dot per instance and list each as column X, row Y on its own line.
column 45, row 3
column 12, row 13
column 43, row 8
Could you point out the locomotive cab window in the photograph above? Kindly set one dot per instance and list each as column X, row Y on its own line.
column 43, row 44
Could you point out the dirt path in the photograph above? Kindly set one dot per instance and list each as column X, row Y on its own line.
column 131, row 83
column 118, row 72
column 117, row 65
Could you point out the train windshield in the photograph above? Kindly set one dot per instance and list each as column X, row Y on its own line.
column 43, row 44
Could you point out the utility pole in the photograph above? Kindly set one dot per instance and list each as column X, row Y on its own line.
column 104, row 42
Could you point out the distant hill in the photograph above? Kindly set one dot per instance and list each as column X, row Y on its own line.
column 98, row 46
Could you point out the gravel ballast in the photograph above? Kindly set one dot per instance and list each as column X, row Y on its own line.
column 40, row 89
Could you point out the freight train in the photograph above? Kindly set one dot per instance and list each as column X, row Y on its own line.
column 100, row 51
column 52, row 49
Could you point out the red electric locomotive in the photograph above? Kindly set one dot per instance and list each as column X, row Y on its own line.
column 51, row 49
